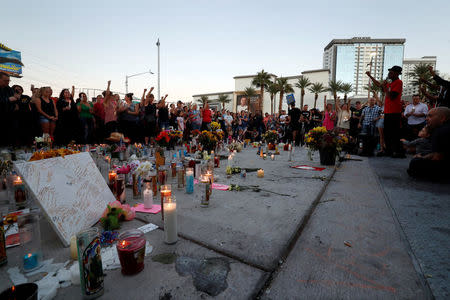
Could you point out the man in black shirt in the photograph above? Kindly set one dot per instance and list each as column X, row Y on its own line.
column 6, row 96
column 294, row 121
column 355, row 118
column 436, row 164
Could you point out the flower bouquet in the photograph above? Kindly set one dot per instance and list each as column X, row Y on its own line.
column 163, row 139
column 114, row 213
column 235, row 146
column 215, row 126
column 176, row 137
column 328, row 143
column 271, row 139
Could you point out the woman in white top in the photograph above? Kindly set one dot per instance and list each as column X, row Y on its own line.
column 180, row 121
column 343, row 112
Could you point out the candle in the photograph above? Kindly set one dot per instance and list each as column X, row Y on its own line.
column 120, row 188
column 112, row 175
column 260, row 173
column 73, row 247
column 21, row 291
column 147, row 196
column 180, row 177
column 19, row 191
column 261, row 153
column 265, row 156
column 230, row 160
column 189, row 181
column 166, row 190
column 170, row 220
column 131, row 251
column 216, row 162
column 290, row 152
column 272, row 157
column 30, row 261
column 208, row 189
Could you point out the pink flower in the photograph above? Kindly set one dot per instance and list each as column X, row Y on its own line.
column 128, row 212
column 114, row 204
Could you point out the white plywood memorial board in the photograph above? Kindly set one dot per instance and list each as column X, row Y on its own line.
column 71, row 191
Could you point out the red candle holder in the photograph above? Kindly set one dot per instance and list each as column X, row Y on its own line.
column 131, row 250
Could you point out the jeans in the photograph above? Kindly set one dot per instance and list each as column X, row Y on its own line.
column 87, row 125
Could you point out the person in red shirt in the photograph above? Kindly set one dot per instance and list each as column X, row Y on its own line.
column 392, row 88
column 206, row 118
column 99, row 118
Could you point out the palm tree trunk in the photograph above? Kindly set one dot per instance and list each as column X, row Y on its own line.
column 315, row 100
column 302, row 98
column 260, row 104
column 280, row 104
column 271, row 104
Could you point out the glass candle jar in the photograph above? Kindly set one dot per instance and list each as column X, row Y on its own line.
column 90, row 263
column 180, row 177
column 166, row 190
column 20, row 196
column 162, row 176
column 170, row 220
column 147, row 196
column 131, row 251
column 120, row 188
column 189, row 180
column 30, row 240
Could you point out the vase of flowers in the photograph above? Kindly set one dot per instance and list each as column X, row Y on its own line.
column 271, row 139
column 209, row 139
column 328, row 143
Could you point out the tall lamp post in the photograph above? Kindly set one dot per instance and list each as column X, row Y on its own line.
column 370, row 70
column 128, row 76
column 159, row 89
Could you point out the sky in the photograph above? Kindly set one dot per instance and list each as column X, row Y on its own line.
column 204, row 44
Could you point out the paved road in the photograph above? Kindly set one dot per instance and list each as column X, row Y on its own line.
column 423, row 210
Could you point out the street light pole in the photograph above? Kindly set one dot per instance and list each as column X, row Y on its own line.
column 128, row 76
column 159, row 88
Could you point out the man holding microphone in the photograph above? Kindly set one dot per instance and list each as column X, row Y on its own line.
column 392, row 88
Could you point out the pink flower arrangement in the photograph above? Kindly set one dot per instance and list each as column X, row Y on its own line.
column 115, row 212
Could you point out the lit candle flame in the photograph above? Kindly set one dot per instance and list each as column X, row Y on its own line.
column 13, row 288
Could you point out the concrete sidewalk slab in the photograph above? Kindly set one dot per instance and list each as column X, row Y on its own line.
column 157, row 279
column 254, row 226
column 351, row 247
column 422, row 208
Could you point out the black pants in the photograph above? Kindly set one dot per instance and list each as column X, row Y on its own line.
column 428, row 169
column 392, row 123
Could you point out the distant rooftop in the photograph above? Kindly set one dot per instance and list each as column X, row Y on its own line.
column 363, row 40
column 423, row 58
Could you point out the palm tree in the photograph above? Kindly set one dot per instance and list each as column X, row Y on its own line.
column 273, row 90
column 346, row 88
column 302, row 83
column 203, row 100
column 420, row 71
column 372, row 87
column 261, row 81
column 335, row 87
column 249, row 93
column 223, row 99
column 283, row 87
column 316, row 89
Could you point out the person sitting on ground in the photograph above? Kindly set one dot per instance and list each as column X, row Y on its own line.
column 420, row 146
column 436, row 164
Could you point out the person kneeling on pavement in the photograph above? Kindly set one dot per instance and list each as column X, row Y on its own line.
column 435, row 165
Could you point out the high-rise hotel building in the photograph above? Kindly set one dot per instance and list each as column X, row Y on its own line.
column 349, row 59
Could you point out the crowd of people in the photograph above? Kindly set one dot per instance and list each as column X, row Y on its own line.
column 389, row 125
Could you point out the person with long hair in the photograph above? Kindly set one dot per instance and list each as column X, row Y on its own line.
column 68, row 125
column 149, row 116
column 130, row 118
column 343, row 116
column 46, row 107
column 86, row 110
column 110, row 106
column 163, row 114
column 329, row 115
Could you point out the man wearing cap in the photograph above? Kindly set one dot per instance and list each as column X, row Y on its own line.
column 392, row 88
